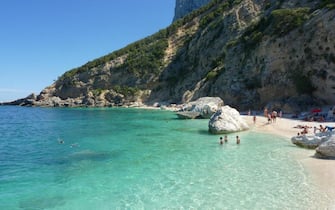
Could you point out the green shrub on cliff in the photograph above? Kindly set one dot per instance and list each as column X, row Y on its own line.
column 125, row 90
column 330, row 4
column 144, row 56
column 285, row 20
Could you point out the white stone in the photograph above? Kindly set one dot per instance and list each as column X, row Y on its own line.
column 310, row 142
column 227, row 120
column 205, row 106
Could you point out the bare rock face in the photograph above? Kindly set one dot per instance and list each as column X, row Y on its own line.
column 227, row 120
column 29, row 100
column 326, row 149
column 250, row 53
column 183, row 7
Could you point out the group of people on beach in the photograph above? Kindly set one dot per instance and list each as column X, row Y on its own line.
column 238, row 140
column 272, row 116
column 321, row 129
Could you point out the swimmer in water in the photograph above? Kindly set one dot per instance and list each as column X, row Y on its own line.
column 61, row 141
column 238, row 140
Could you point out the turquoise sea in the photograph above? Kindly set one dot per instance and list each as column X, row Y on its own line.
column 118, row 158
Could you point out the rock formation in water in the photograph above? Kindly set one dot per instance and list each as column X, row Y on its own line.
column 227, row 120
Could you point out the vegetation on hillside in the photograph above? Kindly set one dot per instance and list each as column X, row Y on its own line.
column 146, row 56
column 222, row 47
column 285, row 20
column 330, row 4
column 143, row 56
column 277, row 24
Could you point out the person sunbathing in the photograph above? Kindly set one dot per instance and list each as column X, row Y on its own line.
column 301, row 126
column 322, row 129
column 298, row 126
column 305, row 130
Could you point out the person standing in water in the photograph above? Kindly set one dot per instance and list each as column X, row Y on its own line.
column 238, row 140
column 221, row 141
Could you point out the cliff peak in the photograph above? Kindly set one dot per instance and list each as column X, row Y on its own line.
column 184, row 7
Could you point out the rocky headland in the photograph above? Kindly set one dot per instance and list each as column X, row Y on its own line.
column 250, row 53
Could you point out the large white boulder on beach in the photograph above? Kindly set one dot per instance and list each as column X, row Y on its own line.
column 227, row 120
column 326, row 149
column 309, row 142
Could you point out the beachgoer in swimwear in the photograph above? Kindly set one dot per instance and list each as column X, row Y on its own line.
column 265, row 112
column 221, row 142
column 305, row 130
column 237, row 140
column 322, row 129
column 225, row 138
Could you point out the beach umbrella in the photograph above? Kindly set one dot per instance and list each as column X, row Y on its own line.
column 316, row 110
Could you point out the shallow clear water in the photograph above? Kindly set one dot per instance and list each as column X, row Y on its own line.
column 142, row 159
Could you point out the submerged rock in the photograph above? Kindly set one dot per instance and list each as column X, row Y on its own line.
column 227, row 120
column 188, row 115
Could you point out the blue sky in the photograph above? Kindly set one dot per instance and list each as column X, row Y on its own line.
column 41, row 39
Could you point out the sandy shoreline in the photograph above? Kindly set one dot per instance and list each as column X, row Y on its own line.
column 321, row 172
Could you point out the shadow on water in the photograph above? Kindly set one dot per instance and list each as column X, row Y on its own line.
column 42, row 202
column 78, row 163
column 205, row 132
column 87, row 155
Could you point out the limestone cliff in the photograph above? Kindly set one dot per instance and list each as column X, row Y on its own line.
column 251, row 53
column 184, row 7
